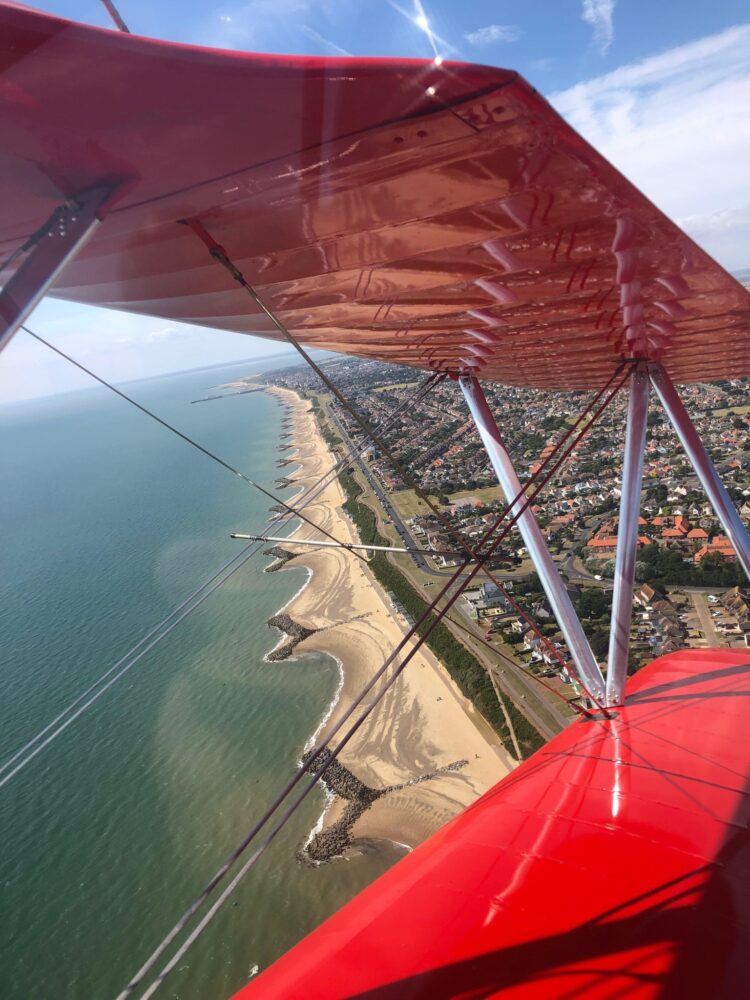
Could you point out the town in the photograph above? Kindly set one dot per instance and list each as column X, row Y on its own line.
column 690, row 589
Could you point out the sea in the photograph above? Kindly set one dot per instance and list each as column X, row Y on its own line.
column 109, row 521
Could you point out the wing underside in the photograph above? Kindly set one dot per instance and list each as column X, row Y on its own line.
column 443, row 217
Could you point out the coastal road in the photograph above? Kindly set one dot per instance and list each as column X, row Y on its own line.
column 402, row 528
column 512, row 679
column 381, row 495
column 514, row 682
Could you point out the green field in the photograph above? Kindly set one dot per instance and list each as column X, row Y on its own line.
column 407, row 503
column 736, row 410
column 395, row 385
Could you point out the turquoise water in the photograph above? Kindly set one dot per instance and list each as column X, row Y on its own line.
column 109, row 522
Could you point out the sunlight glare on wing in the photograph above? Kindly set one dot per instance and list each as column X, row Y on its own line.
column 420, row 20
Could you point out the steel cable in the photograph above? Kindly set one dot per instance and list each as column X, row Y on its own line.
column 219, row 254
column 25, row 754
column 185, row 437
column 309, row 764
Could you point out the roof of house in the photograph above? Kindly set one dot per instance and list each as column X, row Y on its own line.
column 603, row 543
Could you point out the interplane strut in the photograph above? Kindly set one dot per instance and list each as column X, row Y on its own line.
column 49, row 250
column 554, row 587
column 627, row 537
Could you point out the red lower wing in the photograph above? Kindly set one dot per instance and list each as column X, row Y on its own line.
column 615, row 862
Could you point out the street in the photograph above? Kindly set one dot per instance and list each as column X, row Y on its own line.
column 546, row 715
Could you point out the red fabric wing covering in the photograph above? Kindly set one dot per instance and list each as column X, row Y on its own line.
column 443, row 217
column 615, row 862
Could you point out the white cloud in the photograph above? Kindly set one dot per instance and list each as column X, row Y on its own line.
column 599, row 13
column 493, row 33
column 118, row 346
column 676, row 124
column 725, row 235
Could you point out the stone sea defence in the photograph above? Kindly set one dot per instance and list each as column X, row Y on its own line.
column 281, row 556
column 293, row 629
column 333, row 841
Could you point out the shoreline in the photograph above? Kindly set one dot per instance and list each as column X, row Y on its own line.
column 406, row 753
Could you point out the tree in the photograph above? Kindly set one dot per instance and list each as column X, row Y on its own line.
column 659, row 493
column 593, row 602
column 599, row 644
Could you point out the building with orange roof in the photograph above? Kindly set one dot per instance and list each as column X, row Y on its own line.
column 672, row 533
column 607, row 543
column 719, row 545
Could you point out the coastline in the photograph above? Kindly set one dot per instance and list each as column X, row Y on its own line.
column 424, row 754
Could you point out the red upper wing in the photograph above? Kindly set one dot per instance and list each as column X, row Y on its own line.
column 443, row 217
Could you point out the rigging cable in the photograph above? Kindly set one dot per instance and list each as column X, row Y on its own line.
column 479, row 638
column 166, row 625
column 125, row 663
column 571, row 703
column 116, row 16
column 309, row 764
column 218, row 253
column 191, row 441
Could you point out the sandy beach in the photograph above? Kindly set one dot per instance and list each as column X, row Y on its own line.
column 424, row 723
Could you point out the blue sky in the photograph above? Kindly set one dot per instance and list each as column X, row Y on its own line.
column 661, row 88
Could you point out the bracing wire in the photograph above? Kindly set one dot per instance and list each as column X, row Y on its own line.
column 218, row 253
column 429, row 611
column 414, row 635
column 116, row 16
column 25, row 754
column 9, row 761
column 126, row 663
column 185, row 437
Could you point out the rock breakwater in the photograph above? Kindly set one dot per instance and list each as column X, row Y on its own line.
column 293, row 629
column 333, row 841
column 281, row 557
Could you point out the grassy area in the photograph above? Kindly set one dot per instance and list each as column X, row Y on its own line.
column 397, row 385
column 740, row 411
column 407, row 503
column 462, row 665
